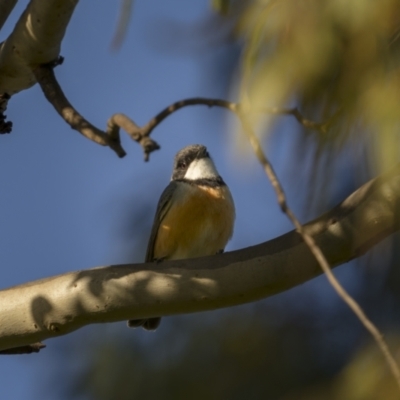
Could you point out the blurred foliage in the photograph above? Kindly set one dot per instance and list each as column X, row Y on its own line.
column 336, row 60
column 229, row 355
column 366, row 377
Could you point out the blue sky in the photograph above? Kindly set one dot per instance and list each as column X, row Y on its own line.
column 63, row 198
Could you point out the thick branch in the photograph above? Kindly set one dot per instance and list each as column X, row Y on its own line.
column 35, row 40
column 59, row 305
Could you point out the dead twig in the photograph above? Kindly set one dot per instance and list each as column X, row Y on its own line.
column 314, row 248
column 118, row 121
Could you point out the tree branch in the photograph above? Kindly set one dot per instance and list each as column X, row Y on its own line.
column 307, row 123
column 136, row 133
column 35, row 40
column 142, row 134
column 56, row 97
column 54, row 94
column 6, row 7
column 59, row 305
column 44, row 74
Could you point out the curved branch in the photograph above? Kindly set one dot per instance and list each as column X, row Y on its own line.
column 142, row 134
column 111, row 138
column 136, row 133
column 307, row 123
column 54, row 94
column 62, row 304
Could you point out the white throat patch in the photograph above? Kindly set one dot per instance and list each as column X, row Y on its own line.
column 203, row 168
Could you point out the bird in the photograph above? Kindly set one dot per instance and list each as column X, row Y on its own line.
column 195, row 215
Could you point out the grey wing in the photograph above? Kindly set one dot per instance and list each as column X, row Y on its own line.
column 163, row 206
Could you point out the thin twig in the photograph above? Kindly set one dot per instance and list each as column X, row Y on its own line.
column 148, row 128
column 316, row 251
column 307, row 123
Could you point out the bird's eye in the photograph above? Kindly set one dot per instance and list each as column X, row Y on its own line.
column 181, row 165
